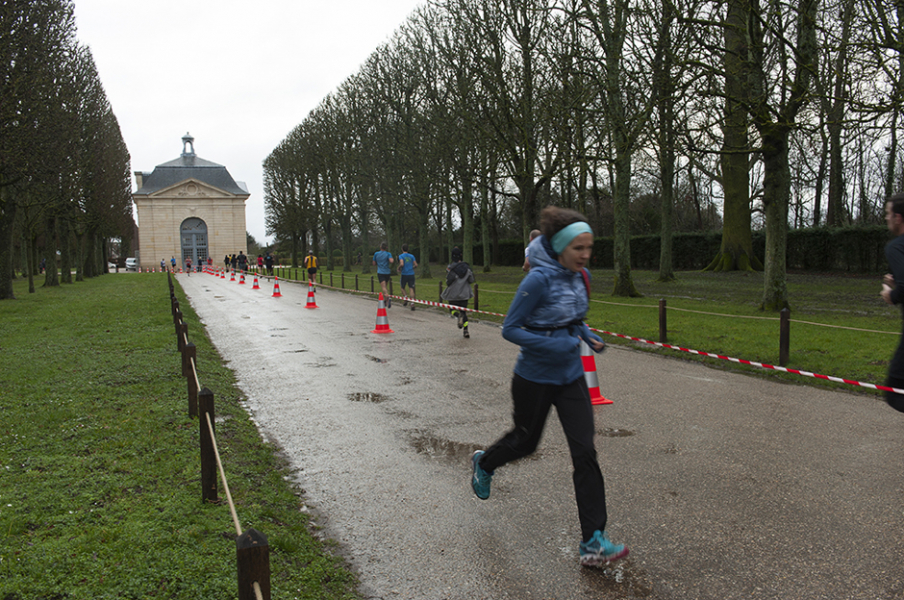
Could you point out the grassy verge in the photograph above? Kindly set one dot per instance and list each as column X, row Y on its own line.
column 822, row 306
column 99, row 468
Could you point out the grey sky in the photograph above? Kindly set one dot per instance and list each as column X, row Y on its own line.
column 236, row 74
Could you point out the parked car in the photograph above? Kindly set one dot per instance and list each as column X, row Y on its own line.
column 111, row 266
column 131, row 264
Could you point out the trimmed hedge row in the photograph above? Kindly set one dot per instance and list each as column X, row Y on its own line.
column 841, row 249
column 845, row 249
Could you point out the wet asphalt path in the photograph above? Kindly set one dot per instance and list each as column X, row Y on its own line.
column 723, row 485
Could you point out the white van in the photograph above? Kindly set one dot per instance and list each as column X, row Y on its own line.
column 131, row 264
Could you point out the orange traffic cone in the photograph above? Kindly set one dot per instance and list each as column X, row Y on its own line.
column 223, row 274
column 242, row 279
column 232, row 276
column 590, row 377
column 382, row 320
column 311, row 302
column 255, row 286
column 276, row 293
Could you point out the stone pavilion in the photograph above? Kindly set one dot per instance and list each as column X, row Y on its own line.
column 189, row 207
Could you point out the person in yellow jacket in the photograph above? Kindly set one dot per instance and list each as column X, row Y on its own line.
column 310, row 263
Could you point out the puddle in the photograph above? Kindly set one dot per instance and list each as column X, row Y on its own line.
column 613, row 432
column 367, row 397
column 623, row 576
column 435, row 447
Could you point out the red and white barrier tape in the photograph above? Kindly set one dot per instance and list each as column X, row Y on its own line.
column 756, row 364
column 742, row 361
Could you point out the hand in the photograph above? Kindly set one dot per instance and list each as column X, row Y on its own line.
column 598, row 346
column 889, row 280
column 886, row 293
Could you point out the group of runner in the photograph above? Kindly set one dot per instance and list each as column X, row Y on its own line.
column 459, row 278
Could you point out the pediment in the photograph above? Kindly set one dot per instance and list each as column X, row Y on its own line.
column 191, row 188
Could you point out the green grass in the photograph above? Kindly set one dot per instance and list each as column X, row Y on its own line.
column 99, row 463
column 736, row 326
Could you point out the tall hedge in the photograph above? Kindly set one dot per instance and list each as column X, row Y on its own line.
column 844, row 249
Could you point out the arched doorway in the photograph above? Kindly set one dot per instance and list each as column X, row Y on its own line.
column 194, row 241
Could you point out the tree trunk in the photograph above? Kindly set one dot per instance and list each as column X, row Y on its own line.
column 466, row 209
column 423, row 241
column 294, row 251
column 65, row 250
column 8, row 208
column 485, row 228
column 665, row 97
column 776, row 192
column 624, row 285
column 31, row 260
column 50, row 273
column 736, row 251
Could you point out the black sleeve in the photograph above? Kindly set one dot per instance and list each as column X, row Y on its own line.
column 894, row 253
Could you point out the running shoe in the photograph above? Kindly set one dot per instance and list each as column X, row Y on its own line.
column 600, row 551
column 480, row 480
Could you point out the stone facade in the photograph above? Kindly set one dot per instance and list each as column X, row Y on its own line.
column 189, row 207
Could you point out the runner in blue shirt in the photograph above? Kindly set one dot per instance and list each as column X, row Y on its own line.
column 383, row 259
column 407, row 264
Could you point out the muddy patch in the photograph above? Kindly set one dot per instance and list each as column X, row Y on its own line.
column 615, row 432
column 436, row 447
column 368, row 397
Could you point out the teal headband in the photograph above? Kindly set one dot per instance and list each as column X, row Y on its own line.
column 561, row 239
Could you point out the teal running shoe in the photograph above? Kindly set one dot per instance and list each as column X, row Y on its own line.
column 480, row 481
column 599, row 550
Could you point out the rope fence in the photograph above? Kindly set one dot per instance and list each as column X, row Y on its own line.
column 252, row 549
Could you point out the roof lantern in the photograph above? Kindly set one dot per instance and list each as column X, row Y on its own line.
column 188, row 145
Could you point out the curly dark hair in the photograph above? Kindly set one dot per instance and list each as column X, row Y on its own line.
column 555, row 218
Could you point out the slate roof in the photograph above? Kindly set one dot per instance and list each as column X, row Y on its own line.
column 190, row 166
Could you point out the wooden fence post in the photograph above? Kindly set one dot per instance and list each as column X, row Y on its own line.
column 663, row 330
column 476, row 297
column 192, row 395
column 179, row 330
column 182, row 333
column 390, row 287
column 784, row 337
column 253, row 561
column 356, row 282
column 331, row 279
column 208, row 456
column 371, row 284
column 188, row 353
column 440, row 292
